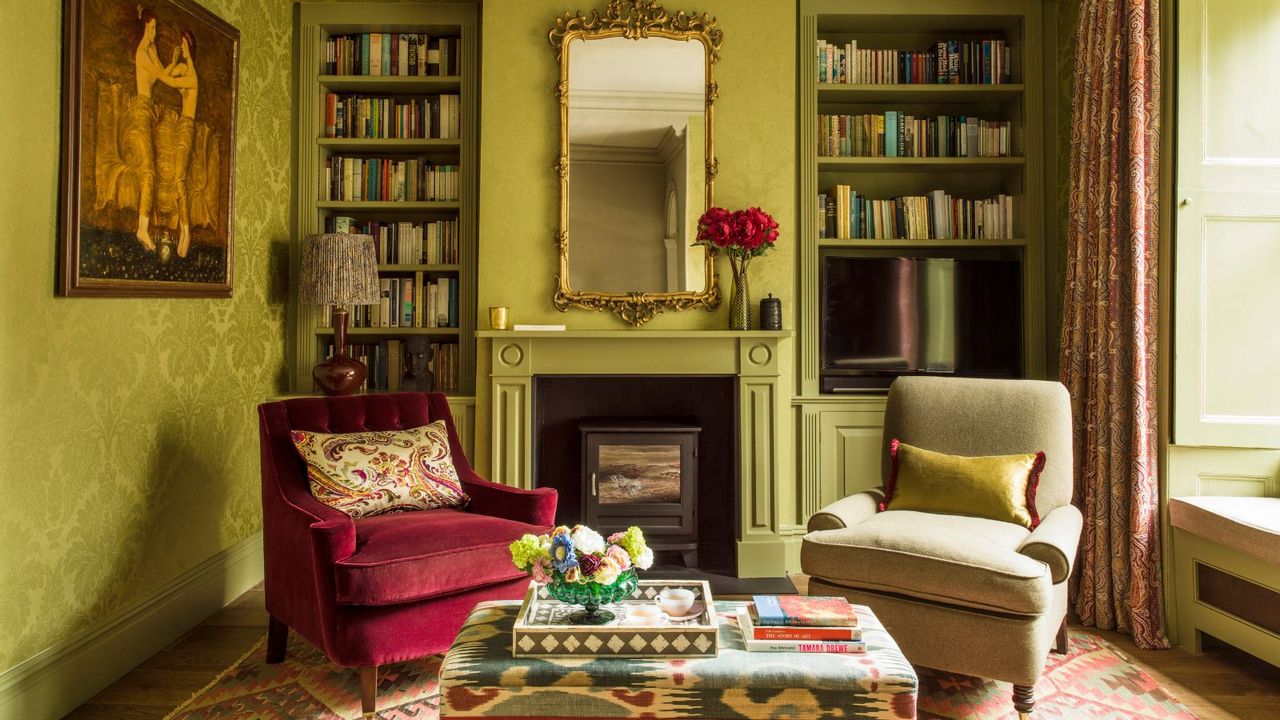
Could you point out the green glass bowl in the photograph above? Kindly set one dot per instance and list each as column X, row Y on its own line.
column 592, row 595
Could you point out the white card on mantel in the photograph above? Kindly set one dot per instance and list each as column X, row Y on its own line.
column 538, row 328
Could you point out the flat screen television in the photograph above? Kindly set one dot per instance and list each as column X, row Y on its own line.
column 888, row 316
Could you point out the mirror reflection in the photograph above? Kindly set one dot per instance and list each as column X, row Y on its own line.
column 637, row 164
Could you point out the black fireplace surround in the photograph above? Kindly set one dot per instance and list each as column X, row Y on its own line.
column 562, row 402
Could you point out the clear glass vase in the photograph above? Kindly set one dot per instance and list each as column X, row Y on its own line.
column 592, row 595
column 740, row 303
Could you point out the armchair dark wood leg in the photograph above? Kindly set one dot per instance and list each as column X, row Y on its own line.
column 369, row 689
column 1024, row 698
column 277, row 640
column 1061, row 647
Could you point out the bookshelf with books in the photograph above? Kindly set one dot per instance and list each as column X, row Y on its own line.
column 921, row 133
column 386, row 130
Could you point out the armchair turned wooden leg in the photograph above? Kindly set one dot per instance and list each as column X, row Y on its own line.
column 369, row 689
column 1024, row 698
column 1061, row 647
column 277, row 640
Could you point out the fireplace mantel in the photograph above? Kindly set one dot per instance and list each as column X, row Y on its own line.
column 751, row 356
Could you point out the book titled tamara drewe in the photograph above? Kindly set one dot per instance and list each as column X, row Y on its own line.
column 804, row 611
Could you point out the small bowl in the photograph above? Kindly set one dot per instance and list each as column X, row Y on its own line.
column 645, row 615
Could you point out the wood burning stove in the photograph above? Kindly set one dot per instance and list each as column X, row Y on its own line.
column 642, row 473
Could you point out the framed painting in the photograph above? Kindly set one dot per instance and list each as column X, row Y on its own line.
column 148, row 149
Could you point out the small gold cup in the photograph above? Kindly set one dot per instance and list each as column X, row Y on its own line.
column 498, row 318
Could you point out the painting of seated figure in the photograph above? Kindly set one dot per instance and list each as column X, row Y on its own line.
column 148, row 149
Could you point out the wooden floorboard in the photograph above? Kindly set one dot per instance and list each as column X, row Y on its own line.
column 1220, row 684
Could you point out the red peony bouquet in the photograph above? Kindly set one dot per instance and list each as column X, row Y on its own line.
column 741, row 234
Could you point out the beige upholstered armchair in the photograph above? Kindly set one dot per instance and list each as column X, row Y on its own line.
column 962, row 594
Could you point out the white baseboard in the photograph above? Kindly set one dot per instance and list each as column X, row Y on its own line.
column 62, row 677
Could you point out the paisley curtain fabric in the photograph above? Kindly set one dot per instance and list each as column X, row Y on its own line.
column 1110, row 315
column 381, row 471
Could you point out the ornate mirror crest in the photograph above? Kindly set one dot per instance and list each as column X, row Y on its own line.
column 635, row 20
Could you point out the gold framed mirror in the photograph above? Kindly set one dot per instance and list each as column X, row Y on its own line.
column 637, row 137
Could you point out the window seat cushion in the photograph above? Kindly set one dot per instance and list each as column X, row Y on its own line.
column 1248, row 524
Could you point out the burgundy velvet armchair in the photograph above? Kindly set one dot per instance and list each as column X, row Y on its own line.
column 392, row 587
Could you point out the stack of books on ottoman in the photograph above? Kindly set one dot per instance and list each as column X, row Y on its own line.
column 795, row 623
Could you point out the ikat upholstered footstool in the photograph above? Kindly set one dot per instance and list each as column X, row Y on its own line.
column 481, row 678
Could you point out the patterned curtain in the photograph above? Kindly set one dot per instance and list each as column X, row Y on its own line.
column 1109, row 324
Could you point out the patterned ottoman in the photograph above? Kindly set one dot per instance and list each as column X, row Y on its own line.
column 481, row 678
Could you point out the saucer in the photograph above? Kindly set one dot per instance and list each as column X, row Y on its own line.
column 695, row 611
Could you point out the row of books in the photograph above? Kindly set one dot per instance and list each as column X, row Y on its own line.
column 896, row 134
column 388, row 366
column 373, row 178
column 379, row 54
column 935, row 216
column 980, row 62
column 359, row 116
column 795, row 623
column 404, row 243
column 418, row 302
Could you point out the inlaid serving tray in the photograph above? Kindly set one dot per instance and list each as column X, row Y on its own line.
column 541, row 628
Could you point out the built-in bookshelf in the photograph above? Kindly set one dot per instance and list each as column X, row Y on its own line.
column 921, row 132
column 386, row 131
column 929, row 116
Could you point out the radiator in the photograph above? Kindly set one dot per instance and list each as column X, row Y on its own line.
column 1236, row 596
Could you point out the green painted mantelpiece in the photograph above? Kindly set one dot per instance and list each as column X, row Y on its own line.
column 751, row 356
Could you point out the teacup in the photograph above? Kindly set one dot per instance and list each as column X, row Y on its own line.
column 676, row 601
column 644, row 615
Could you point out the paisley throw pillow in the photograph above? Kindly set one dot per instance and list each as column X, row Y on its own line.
column 381, row 471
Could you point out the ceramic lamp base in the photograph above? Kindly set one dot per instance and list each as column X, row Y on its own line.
column 339, row 375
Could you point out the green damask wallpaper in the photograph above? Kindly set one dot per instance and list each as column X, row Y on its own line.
column 519, row 191
column 133, row 451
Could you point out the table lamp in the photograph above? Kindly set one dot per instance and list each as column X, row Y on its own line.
column 339, row 270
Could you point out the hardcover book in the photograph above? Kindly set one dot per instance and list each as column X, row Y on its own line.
column 804, row 611
column 795, row 633
column 804, row 646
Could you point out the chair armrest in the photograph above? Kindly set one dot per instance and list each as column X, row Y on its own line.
column 533, row 507
column 1054, row 541
column 846, row 512
column 333, row 540
column 296, row 517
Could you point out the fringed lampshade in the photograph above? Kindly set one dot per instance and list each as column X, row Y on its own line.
column 339, row 270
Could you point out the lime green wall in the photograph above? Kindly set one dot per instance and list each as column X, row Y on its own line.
column 133, row 452
column 519, row 192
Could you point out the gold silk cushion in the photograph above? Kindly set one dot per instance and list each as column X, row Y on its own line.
column 997, row 487
column 381, row 471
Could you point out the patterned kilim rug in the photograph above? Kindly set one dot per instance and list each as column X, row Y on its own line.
column 1094, row 681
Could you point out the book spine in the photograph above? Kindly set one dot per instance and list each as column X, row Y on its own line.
column 407, row 300
column 812, row 634
column 805, row 647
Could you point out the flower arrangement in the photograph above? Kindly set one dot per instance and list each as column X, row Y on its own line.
column 741, row 235
column 580, row 567
column 580, row 555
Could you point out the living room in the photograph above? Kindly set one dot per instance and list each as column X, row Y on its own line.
column 737, row 359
